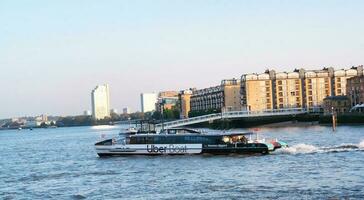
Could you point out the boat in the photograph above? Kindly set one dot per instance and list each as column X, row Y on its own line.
column 183, row 141
column 130, row 130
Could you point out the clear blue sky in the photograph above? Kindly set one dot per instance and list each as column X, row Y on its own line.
column 53, row 53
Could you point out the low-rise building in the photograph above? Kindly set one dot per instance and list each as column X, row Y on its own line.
column 168, row 99
column 355, row 90
column 337, row 104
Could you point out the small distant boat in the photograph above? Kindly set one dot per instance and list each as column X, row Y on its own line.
column 185, row 141
column 130, row 130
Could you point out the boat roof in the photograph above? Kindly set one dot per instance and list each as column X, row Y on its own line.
column 195, row 134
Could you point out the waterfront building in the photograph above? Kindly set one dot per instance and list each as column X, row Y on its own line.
column 87, row 113
column 148, row 101
column 257, row 91
column 100, row 101
column 184, row 98
column 126, row 110
column 337, row 104
column 169, row 99
column 231, row 95
column 318, row 85
column 288, row 90
column 355, row 90
column 207, row 99
column 41, row 118
column 340, row 80
column 300, row 88
column 224, row 97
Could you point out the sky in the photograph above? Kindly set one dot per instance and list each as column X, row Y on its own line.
column 53, row 53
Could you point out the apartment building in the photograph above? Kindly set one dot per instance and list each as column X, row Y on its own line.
column 288, row 90
column 318, row 85
column 224, row 97
column 231, row 95
column 300, row 88
column 257, row 91
column 207, row 99
column 340, row 80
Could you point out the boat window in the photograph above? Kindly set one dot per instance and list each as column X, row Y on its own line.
column 138, row 140
column 150, row 140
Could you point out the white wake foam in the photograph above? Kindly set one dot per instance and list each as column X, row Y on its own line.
column 307, row 148
column 361, row 145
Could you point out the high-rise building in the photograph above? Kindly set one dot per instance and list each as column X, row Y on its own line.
column 148, row 101
column 100, row 101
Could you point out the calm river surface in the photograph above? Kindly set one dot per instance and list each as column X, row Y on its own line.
column 62, row 164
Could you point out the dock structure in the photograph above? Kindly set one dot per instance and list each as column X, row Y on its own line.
column 230, row 115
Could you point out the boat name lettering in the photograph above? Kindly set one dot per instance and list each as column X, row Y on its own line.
column 172, row 148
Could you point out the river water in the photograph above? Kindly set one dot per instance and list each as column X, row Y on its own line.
column 62, row 164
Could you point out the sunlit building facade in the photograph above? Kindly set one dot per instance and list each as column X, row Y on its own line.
column 298, row 89
column 185, row 101
column 318, row 85
column 340, row 80
column 224, row 97
column 257, row 91
column 288, row 90
column 100, row 101
column 148, row 101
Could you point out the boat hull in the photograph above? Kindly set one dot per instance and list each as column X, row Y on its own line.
column 179, row 149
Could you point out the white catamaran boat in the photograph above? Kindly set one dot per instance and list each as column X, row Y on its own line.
column 184, row 141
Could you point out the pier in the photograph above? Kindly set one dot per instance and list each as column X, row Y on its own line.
column 230, row 115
